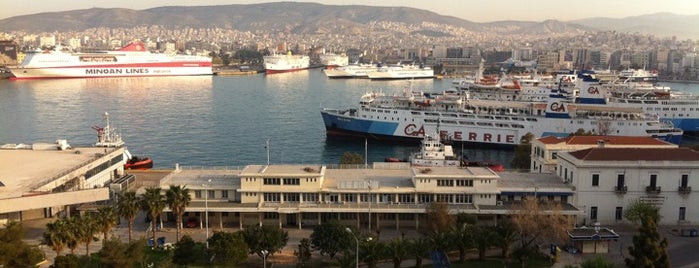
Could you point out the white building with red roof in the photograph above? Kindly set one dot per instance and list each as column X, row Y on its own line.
column 606, row 180
column 545, row 150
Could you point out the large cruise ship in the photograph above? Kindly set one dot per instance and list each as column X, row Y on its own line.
column 358, row 70
column 283, row 63
column 412, row 115
column 131, row 60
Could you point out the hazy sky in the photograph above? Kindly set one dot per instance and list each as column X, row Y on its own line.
column 473, row 10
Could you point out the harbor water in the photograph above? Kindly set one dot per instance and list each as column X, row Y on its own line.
column 209, row 120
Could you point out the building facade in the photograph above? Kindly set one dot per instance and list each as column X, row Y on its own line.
column 607, row 180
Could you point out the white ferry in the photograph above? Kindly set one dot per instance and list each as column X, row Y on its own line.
column 282, row 63
column 131, row 60
column 331, row 61
column 357, row 70
column 401, row 71
column 411, row 115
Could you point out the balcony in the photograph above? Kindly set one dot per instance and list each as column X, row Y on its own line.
column 684, row 190
column 621, row 189
column 653, row 189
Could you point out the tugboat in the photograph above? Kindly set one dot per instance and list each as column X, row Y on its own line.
column 107, row 137
column 435, row 153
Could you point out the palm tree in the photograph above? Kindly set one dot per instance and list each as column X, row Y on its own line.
column 372, row 251
column 106, row 218
column 73, row 230
column 128, row 206
column 418, row 248
column 462, row 239
column 505, row 236
column 153, row 202
column 56, row 235
column 483, row 237
column 177, row 198
column 86, row 230
column 397, row 250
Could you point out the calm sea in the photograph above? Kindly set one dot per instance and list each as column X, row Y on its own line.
column 208, row 120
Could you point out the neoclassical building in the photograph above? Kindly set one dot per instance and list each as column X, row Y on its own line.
column 386, row 195
column 545, row 150
column 607, row 179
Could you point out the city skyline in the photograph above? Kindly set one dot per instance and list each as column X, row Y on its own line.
column 481, row 11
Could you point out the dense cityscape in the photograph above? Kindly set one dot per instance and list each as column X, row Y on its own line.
column 391, row 42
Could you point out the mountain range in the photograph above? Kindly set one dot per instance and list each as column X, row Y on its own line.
column 312, row 18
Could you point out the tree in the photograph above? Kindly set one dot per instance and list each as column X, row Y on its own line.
column 128, row 206
column 371, row 251
column 114, row 254
column 648, row 250
column 177, row 198
column 522, row 159
column 56, row 235
column 265, row 238
column 228, row 249
column 153, row 202
column 418, row 248
column 483, row 237
column 462, row 239
column 506, row 235
column 303, row 255
column 106, row 218
column 74, row 238
column 14, row 252
column 67, row 261
column 438, row 217
column 330, row 238
column 538, row 220
column 187, row 251
column 397, row 250
column 85, row 230
column 351, row 159
column 639, row 210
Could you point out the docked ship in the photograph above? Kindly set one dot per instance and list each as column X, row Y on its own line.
column 283, row 63
column 131, row 60
column 331, row 61
column 633, row 90
column 358, row 70
column 401, row 71
column 410, row 115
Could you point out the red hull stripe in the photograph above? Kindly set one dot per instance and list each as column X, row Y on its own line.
column 135, row 65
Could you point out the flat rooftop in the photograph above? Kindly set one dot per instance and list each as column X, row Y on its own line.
column 24, row 170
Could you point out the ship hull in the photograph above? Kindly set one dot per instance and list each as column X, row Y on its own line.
column 279, row 71
column 413, row 128
column 131, row 70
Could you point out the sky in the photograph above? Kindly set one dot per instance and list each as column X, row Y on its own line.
column 473, row 10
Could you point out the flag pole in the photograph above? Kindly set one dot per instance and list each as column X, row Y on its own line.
column 267, row 147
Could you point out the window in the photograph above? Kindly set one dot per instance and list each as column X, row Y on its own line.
column 292, row 181
column 619, row 215
column 595, row 179
column 291, row 197
column 463, row 199
column 464, row 183
column 554, row 155
column 310, row 197
column 271, row 197
column 272, row 181
column 348, row 197
column 620, row 181
column 593, row 213
column 443, row 198
column 406, row 198
column 445, row 182
column 224, row 193
column 197, row 194
column 424, row 198
column 653, row 180
column 210, row 194
column 271, row 215
column 684, row 180
column 683, row 213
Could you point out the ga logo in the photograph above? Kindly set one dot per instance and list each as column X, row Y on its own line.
column 413, row 130
column 557, row 107
column 593, row 90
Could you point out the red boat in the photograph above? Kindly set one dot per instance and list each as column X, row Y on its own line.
column 139, row 163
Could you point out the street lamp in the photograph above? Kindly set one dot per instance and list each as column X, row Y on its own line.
column 264, row 258
column 356, row 254
column 206, row 210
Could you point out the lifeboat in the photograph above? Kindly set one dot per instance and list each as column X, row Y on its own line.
column 139, row 163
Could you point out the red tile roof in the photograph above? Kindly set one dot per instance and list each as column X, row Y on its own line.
column 592, row 140
column 635, row 154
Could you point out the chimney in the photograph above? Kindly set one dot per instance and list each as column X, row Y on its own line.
column 600, row 143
